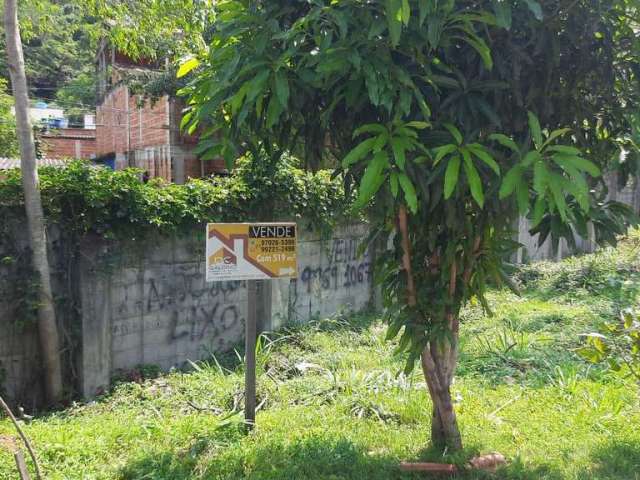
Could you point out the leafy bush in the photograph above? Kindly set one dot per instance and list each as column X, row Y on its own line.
column 8, row 138
column 617, row 344
column 116, row 204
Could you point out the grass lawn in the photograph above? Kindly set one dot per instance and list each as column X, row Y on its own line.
column 335, row 408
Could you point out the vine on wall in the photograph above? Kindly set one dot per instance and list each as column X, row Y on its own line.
column 82, row 200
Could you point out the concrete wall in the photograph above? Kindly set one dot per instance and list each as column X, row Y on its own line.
column 153, row 306
column 532, row 251
column 20, row 367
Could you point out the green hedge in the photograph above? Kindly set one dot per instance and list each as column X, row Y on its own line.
column 82, row 199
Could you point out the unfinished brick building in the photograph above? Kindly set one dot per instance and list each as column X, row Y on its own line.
column 69, row 143
column 132, row 131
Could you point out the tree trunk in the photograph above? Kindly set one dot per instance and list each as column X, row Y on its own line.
column 438, row 372
column 438, row 361
column 47, row 327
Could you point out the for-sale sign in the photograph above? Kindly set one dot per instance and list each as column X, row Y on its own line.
column 251, row 251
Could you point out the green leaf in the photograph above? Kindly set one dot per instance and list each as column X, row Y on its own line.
column 451, row 176
column 398, row 152
column 540, row 177
column 443, row 151
column 511, row 179
column 580, row 163
column 535, row 8
column 566, row 149
column 481, row 47
column 394, row 20
column 358, row 152
column 393, row 182
column 505, row 141
column 579, row 191
column 536, row 131
column 522, row 196
column 424, row 108
column 256, row 86
column 238, row 99
column 369, row 128
column 372, row 179
column 556, row 184
column 475, row 184
column 454, row 132
column 186, row 118
column 538, row 211
column 590, row 354
column 406, row 12
column 480, row 152
column 187, row 66
column 531, row 157
column 274, row 110
column 409, row 192
column 417, row 125
column 555, row 134
column 502, row 9
column 578, row 185
column 282, row 88
column 381, row 142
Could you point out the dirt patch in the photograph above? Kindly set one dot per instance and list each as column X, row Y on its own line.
column 9, row 443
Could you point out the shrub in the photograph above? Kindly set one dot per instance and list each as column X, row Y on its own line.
column 83, row 199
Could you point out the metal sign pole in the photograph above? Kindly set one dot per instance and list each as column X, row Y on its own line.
column 250, row 356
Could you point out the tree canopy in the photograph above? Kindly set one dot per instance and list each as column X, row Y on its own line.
column 450, row 118
column 8, row 138
column 59, row 49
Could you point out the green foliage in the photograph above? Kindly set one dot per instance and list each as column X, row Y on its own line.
column 8, row 139
column 451, row 110
column 83, row 199
column 59, row 51
column 617, row 344
column 152, row 29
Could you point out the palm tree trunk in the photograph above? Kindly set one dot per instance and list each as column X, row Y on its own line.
column 47, row 327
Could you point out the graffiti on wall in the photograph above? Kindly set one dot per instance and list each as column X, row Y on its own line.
column 170, row 304
column 333, row 281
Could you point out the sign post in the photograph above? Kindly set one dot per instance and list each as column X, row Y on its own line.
column 250, row 356
column 251, row 252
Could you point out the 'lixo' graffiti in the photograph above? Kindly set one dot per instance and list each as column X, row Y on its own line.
column 207, row 322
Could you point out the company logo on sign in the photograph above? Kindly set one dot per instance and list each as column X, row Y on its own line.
column 249, row 251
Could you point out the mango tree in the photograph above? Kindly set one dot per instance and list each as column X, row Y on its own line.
column 448, row 119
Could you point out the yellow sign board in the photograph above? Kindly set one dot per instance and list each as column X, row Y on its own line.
column 251, row 251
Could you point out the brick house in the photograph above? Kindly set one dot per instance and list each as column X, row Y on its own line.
column 132, row 131
column 69, row 143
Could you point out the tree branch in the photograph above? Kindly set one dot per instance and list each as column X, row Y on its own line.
column 27, row 444
column 412, row 299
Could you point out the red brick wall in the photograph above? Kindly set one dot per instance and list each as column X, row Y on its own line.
column 69, row 143
column 132, row 124
column 126, row 123
column 149, row 122
column 111, row 122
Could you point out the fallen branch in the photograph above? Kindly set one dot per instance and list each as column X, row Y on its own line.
column 487, row 463
column 214, row 410
column 27, row 444
column 448, row 468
